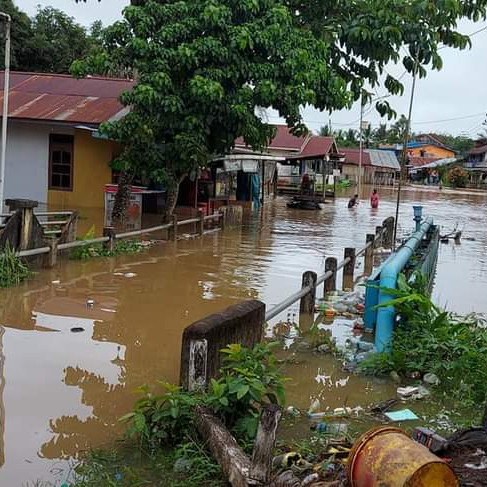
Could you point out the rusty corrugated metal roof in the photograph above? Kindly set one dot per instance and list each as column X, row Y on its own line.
column 62, row 98
column 283, row 140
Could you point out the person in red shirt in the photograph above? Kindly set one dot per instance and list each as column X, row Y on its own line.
column 374, row 199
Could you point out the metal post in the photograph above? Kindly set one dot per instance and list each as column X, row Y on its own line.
column 307, row 303
column 174, row 229
column 6, row 88
column 201, row 223
column 403, row 159
column 369, row 254
column 348, row 269
column 331, row 264
column 110, row 233
column 360, row 148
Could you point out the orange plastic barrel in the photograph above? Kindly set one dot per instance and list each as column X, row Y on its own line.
column 387, row 457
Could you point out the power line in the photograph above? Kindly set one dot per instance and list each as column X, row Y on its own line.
column 451, row 119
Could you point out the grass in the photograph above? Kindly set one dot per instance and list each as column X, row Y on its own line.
column 128, row 466
column 12, row 270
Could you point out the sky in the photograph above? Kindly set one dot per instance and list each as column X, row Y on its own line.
column 458, row 91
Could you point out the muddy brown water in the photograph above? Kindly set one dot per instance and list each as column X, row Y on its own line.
column 61, row 391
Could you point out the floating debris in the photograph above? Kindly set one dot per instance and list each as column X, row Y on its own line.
column 77, row 329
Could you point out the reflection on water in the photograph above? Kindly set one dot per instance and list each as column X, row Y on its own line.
column 67, row 370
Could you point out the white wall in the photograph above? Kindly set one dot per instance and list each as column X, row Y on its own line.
column 27, row 167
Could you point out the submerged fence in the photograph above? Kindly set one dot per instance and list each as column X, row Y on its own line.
column 310, row 280
column 109, row 237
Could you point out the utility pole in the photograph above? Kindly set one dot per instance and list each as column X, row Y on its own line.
column 404, row 155
column 360, row 147
column 6, row 87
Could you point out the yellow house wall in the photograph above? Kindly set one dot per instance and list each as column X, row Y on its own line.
column 91, row 171
column 432, row 151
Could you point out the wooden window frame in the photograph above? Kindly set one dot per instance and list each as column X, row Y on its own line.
column 71, row 179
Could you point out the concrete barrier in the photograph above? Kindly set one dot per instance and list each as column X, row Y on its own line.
column 202, row 341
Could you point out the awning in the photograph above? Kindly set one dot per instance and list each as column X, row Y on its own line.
column 248, row 163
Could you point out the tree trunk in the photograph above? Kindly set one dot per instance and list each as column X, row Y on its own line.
column 171, row 199
column 231, row 458
column 122, row 200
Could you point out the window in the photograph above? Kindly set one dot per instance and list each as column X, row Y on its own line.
column 61, row 162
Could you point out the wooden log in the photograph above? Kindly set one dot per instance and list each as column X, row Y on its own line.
column 348, row 269
column 331, row 264
column 224, row 448
column 265, row 442
column 307, row 303
column 369, row 254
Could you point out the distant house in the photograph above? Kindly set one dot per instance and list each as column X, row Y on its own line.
column 318, row 158
column 283, row 144
column 476, row 165
column 426, row 148
column 54, row 153
column 379, row 167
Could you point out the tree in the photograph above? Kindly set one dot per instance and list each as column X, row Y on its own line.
column 57, row 41
column 204, row 67
column 21, row 33
column 49, row 42
column 325, row 131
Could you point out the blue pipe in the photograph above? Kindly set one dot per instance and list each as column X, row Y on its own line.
column 388, row 279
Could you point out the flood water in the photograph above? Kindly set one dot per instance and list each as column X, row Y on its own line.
column 62, row 389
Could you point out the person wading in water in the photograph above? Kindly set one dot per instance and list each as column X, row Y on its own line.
column 374, row 199
column 353, row 201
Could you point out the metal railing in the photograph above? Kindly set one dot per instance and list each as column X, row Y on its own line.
column 383, row 235
column 81, row 243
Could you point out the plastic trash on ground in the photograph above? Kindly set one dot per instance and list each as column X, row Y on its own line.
column 401, row 415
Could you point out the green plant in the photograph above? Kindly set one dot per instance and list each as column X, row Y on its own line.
column 458, row 177
column 12, row 270
column 161, row 419
column 429, row 339
column 121, row 247
column 249, row 378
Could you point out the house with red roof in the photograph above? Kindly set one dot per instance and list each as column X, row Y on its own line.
column 53, row 154
column 378, row 167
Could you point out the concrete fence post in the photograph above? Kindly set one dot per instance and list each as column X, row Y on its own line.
column 330, row 285
column 201, row 222
column 174, row 228
column 388, row 238
column 202, row 341
column 307, row 303
column 110, row 243
column 348, row 269
column 222, row 219
column 369, row 254
column 50, row 259
column 378, row 237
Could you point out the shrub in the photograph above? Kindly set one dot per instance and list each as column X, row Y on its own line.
column 458, row 177
column 248, row 379
column 12, row 270
column 429, row 339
